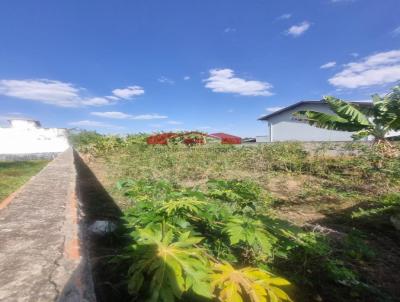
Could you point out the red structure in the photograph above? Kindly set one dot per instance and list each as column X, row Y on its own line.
column 227, row 138
column 191, row 138
column 188, row 138
column 160, row 139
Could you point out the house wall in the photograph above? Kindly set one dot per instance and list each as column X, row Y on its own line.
column 27, row 137
column 285, row 128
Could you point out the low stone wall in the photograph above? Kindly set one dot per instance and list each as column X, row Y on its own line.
column 43, row 254
column 334, row 148
column 327, row 148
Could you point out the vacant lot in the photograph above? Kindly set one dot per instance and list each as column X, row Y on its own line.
column 15, row 173
column 329, row 222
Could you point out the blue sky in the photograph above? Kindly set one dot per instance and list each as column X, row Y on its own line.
column 142, row 66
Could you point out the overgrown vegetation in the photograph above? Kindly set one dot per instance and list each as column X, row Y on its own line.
column 184, row 239
column 14, row 174
column 252, row 223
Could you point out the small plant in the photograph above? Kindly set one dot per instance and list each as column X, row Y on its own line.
column 252, row 233
column 146, row 189
column 178, row 232
column 247, row 284
column 164, row 266
column 238, row 192
column 356, row 247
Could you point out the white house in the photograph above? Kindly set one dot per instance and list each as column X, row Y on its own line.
column 28, row 137
column 282, row 126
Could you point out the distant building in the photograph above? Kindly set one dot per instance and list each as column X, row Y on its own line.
column 282, row 126
column 227, row 138
column 28, row 137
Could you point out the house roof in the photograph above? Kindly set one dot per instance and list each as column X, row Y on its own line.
column 222, row 135
column 266, row 117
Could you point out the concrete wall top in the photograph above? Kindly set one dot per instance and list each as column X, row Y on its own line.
column 27, row 137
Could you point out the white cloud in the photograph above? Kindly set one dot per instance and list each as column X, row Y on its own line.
column 328, row 65
column 231, row 110
column 93, row 124
column 186, row 78
column 56, row 93
column 299, row 29
column 121, row 115
column 229, row 30
column 355, row 54
column 174, row 123
column 112, row 114
column 396, row 31
column 224, row 81
column 273, row 109
column 166, row 80
column 112, row 97
column 96, row 101
column 154, row 116
column 284, row 17
column 45, row 91
column 128, row 92
column 378, row 69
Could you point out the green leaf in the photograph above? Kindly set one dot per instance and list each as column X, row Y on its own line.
column 246, row 284
column 328, row 121
column 250, row 232
column 165, row 266
column 347, row 111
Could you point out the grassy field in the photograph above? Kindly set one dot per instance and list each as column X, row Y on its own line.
column 330, row 218
column 15, row 173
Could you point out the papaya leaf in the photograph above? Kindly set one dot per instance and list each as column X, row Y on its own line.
column 166, row 266
column 247, row 284
column 250, row 232
column 182, row 206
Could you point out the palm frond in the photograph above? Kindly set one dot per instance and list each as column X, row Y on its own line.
column 393, row 106
column 347, row 111
column 328, row 121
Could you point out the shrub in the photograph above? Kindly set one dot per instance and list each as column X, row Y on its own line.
column 183, row 238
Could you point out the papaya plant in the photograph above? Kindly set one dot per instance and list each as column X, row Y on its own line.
column 166, row 266
column 247, row 284
column 252, row 233
column 183, row 238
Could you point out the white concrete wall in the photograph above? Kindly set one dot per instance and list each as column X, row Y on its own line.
column 262, row 139
column 27, row 137
column 283, row 127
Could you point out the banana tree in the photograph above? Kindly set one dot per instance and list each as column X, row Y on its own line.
column 376, row 120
